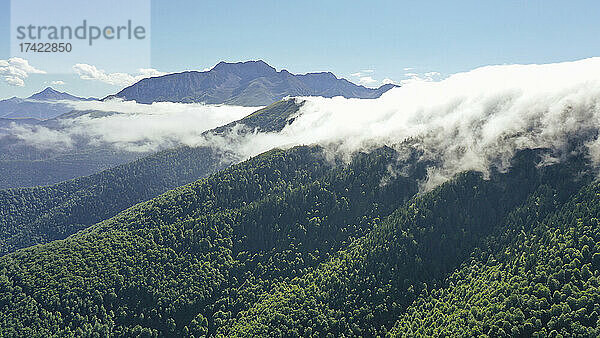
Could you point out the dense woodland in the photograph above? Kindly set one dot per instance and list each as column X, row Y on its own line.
column 20, row 171
column 536, row 276
column 239, row 231
column 292, row 243
column 36, row 215
column 366, row 288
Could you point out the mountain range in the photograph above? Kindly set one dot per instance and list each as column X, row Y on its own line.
column 43, row 105
column 250, row 83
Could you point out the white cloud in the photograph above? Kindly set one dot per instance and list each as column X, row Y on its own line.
column 41, row 137
column 14, row 81
column 134, row 126
column 389, row 81
column 90, row 72
column 367, row 80
column 406, row 69
column 416, row 77
column 57, row 83
column 149, row 72
column 362, row 73
column 15, row 70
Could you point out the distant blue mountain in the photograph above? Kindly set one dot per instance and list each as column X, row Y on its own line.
column 43, row 105
column 49, row 94
column 250, row 83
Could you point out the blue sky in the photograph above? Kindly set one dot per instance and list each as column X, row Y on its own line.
column 390, row 38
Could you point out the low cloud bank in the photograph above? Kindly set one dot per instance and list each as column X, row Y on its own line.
column 468, row 121
column 129, row 126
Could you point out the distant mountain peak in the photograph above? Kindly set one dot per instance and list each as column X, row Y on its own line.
column 47, row 92
column 42, row 105
column 50, row 90
column 260, row 63
column 51, row 94
column 247, row 83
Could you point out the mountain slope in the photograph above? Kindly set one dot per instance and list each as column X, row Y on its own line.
column 363, row 289
column 179, row 263
column 27, row 165
column 32, row 172
column 30, row 216
column 251, row 83
column 539, row 278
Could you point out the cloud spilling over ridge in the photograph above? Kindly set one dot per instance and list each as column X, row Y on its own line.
column 467, row 121
column 131, row 126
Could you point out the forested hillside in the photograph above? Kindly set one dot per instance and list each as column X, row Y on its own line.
column 84, row 142
column 30, row 216
column 291, row 244
column 186, row 262
column 539, row 275
column 364, row 288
